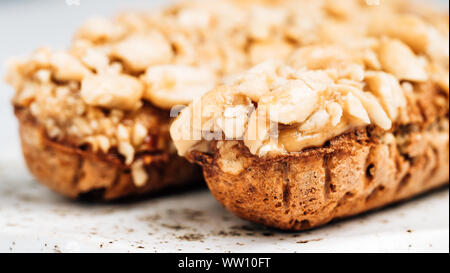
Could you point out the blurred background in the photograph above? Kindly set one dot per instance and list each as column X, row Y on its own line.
column 28, row 24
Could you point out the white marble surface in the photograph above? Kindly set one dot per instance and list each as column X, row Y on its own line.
column 34, row 219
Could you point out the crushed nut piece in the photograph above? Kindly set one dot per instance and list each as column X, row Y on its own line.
column 143, row 50
column 139, row 173
column 169, row 85
column 112, row 91
column 398, row 59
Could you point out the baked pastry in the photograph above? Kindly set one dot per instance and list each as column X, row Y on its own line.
column 108, row 97
column 336, row 129
column 95, row 118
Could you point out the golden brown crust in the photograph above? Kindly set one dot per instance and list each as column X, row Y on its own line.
column 75, row 173
column 354, row 173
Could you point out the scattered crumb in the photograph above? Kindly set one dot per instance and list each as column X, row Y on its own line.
column 150, row 218
column 193, row 215
column 191, row 237
column 231, row 233
column 170, row 211
column 56, row 249
column 307, row 241
column 175, row 227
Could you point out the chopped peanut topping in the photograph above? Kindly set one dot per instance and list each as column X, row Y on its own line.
column 100, row 29
column 67, row 67
column 143, row 50
column 169, row 85
column 327, row 91
column 138, row 173
column 398, row 59
column 112, row 91
column 348, row 63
